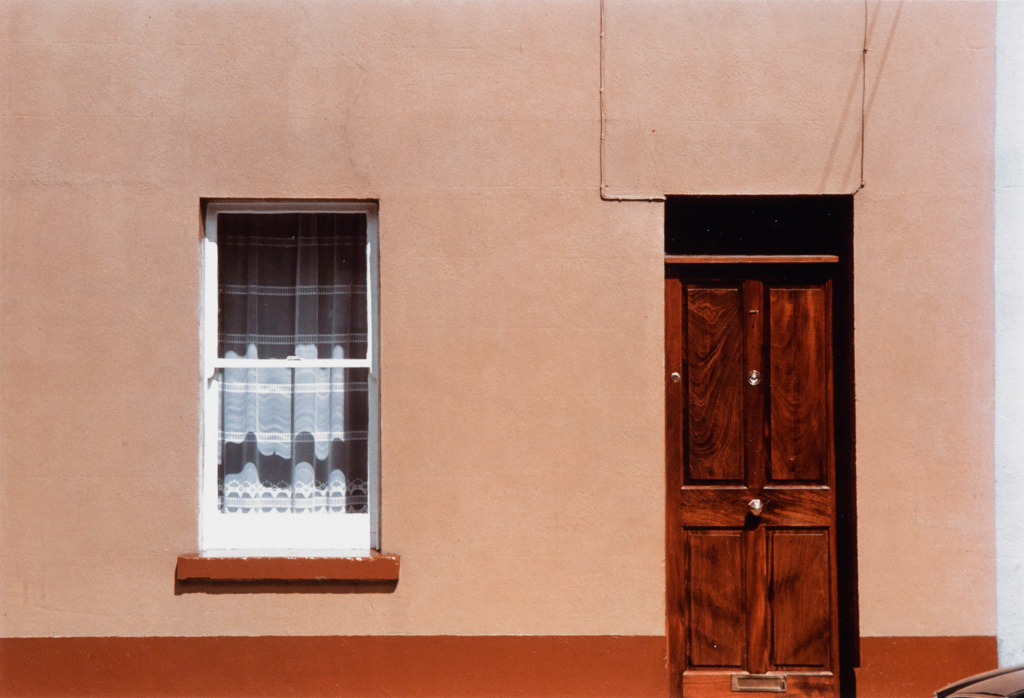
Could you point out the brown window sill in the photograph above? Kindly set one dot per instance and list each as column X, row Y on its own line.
column 374, row 573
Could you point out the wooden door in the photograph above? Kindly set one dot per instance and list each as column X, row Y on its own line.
column 751, row 476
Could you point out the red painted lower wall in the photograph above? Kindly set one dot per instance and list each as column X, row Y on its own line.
column 334, row 666
column 904, row 667
column 891, row 667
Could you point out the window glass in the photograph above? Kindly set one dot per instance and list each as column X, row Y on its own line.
column 291, row 397
column 292, row 284
column 293, row 440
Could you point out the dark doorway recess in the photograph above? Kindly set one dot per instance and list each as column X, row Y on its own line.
column 760, row 285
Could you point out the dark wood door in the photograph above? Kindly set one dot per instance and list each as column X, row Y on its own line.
column 751, row 477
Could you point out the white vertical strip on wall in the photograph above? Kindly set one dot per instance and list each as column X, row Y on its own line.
column 1009, row 299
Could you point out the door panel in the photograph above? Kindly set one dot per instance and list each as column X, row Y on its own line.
column 751, row 479
column 799, row 368
column 714, row 378
column 801, row 626
column 715, row 574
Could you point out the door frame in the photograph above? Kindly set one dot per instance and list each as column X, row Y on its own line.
column 840, row 273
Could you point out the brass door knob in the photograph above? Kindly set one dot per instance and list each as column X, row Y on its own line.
column 756, row 506
column 754, row 377
column 676, row 377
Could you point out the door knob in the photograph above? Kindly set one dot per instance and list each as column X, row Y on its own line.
column 676, row 377
column 754, row 377
column 756, row 506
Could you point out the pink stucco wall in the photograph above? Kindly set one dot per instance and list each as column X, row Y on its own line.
column 924, row 322
column 521, row 328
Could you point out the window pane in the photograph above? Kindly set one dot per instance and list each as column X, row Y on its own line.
column 292, row 284
column 293, row 439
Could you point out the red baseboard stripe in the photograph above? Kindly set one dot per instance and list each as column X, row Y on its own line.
column 905, row 667
column 535, row 666
column 334, row 666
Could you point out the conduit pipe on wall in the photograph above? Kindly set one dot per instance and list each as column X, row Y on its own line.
column 604, row 187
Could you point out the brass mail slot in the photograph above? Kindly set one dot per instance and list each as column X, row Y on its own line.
column 766, row 683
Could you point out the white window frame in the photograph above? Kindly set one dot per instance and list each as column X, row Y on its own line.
column 281, row 533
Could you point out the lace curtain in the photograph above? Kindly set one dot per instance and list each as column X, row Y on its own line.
column 293, row 285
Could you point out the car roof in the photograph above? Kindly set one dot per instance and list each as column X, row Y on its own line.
column 1008, row 683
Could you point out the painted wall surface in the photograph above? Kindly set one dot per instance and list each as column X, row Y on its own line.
column 923, row 316
column 739, row 97
column 521, row 317
column 521, row 329
column 1009, row 247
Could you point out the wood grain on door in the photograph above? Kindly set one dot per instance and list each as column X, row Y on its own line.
column 751, row 482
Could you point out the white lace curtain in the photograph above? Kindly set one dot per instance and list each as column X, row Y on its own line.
column 292, row 285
